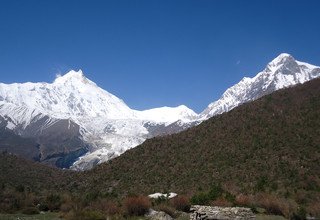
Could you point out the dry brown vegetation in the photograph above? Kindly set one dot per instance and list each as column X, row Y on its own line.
column 181, row 203
column 136, row 205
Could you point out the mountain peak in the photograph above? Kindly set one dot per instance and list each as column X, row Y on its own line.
column 73, row 73
column 283, row 58
column 72, row 76
column 283, row 55
column 283, row 71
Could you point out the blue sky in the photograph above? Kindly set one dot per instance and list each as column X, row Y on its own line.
column 153, row 53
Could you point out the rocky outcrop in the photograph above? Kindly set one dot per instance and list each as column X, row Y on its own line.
column 221, row 213
column 15, row 144
column 158, row 215
column 56, row 142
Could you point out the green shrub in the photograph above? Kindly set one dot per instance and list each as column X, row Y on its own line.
column 230, row 197
column 160, row 199
column 215, row 192
column 261, row 184
column 90, row 196
column 54, row 202
column 200, row 199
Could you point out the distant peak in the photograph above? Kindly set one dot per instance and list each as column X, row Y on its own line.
column 282, row 58
column 185, row 109
column 182, row 107
column 284, row 55
column 72, row 75
column 179, row 108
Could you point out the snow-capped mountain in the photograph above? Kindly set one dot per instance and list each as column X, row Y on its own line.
column 106, row 124
column 75, row 96
column 284, row 71
column 73, row 122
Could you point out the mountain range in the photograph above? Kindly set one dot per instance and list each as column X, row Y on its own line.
column 74, row 123
column 263, row 154
column 267, row 145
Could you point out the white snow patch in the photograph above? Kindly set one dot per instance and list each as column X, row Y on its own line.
column 159, row 195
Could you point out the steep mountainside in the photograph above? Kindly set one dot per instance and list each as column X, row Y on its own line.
column 26, row 147
column 72, row 116
column 271, row 144
column 268, row 145
column 58, row 141
column 16, row 171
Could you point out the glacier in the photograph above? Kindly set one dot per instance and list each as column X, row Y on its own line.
column 106, row 123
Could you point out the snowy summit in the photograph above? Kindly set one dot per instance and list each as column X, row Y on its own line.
column 284, row 71
column 107, row 123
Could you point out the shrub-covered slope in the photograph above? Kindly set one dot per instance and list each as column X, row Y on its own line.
column 271, row 144
column 16, row 172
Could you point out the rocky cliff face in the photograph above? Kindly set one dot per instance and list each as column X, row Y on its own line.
column 51, row 141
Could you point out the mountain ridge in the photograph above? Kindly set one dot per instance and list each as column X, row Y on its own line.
column 72, row 80
column 107, row 127
column 283, row 71
column 267, row 148
column 246, row 150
